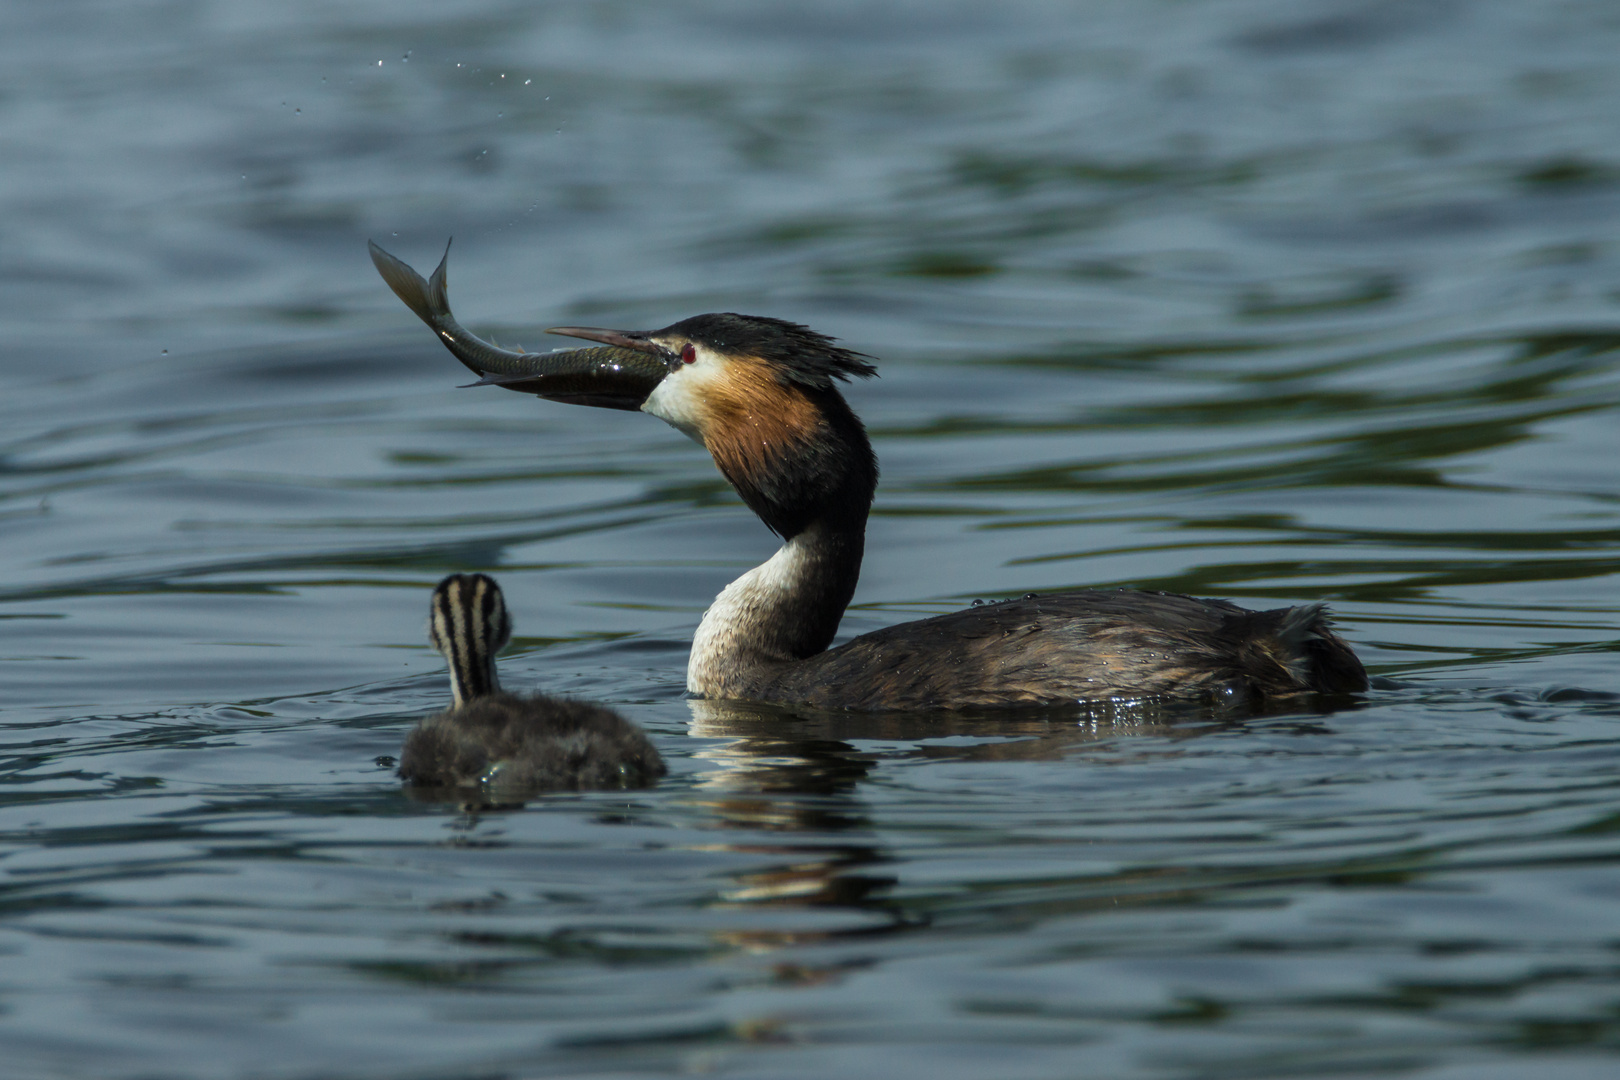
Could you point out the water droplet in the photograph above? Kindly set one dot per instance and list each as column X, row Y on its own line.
column 978, row 603
column 500, row 115
column 379, row 63
column 526, row 82
column 165, row 352
column 298, row 110
column 406, row 58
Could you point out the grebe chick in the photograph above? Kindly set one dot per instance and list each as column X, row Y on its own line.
column 504, row 743
column 758, row 393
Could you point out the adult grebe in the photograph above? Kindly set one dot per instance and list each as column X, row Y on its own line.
column 758, row 393
column 504, row 744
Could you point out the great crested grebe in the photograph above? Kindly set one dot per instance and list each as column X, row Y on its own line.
column 758, row 393
column 505, row 744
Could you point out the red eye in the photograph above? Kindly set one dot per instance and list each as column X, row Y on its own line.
column 689, row 354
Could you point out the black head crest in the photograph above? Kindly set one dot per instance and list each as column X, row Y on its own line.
column 798, row 353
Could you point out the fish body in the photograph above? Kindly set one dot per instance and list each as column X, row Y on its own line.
column 606, row 376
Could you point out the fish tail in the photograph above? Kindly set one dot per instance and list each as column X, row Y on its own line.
column 429, row 298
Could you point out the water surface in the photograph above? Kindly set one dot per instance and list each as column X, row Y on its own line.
column 1278, row 302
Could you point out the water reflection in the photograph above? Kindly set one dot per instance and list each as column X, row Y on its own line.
column 796, row 749
column 799, row 773
column 781, row 776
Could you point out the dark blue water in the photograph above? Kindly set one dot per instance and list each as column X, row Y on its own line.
column 1271, row 301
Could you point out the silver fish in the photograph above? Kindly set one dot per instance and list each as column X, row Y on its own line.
column 607, row 376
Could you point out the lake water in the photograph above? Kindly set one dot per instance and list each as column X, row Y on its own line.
column 1263, row 299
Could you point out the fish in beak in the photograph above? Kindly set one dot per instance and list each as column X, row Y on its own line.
column 618, row 374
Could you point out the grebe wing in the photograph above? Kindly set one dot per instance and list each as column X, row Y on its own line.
column 1091, row 645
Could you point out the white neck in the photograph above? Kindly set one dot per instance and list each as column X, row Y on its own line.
column 731, row 627
column 783, row 611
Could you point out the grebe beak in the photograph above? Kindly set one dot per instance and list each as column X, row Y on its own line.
column 620, row 339
column 619, row 376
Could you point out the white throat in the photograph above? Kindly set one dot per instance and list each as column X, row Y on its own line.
column 680, row 398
